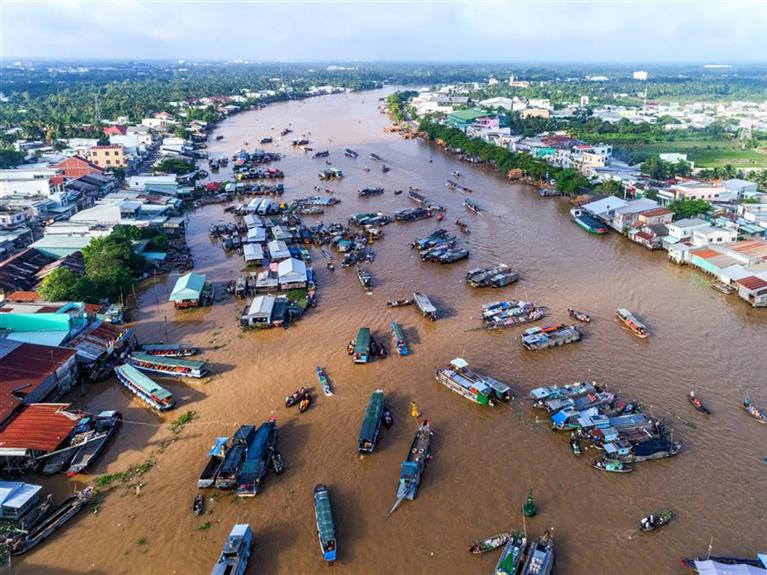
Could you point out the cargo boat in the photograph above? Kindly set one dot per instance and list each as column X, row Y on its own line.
column 104, row 428
column 230, row 468
column 367, row 192
column 361, row 348
column 398, row 339
column 540, row 556
column 493, row 276
column 427, row 308
column 365, row 277
column 539, row 395
column 169, row 349
column 216, row 455
column 460, row 374
column 411, row 470
column 512, row 556
column 371, row 423
column 144, row 388
column 326, row 527
column 257, row 458
column 631, row 322
column 537, row 338
column 236, row 553
column 587, row 222
column 171, row 366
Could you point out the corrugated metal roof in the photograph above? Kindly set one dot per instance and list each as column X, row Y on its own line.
column 705, row 253
column 39, row 427
column 752, row 283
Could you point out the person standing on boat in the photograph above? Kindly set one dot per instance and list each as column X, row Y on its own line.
column 414, row 411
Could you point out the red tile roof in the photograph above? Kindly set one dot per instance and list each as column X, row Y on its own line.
column 752, row 248
column 115, row 130
column 752, row 283
column 76, row 167
column 22, row 296
column 705, row 253
column 39, row 427
column 655, row 212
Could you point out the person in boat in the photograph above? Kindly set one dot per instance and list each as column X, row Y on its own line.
column 414, row 411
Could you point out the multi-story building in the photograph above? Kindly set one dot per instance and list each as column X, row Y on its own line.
column 108, row 156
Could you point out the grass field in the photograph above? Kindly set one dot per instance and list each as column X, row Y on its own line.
column 705, row 154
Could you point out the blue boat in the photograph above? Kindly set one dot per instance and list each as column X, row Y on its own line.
column 326, row 528
column 413, row 467
column 257, row 459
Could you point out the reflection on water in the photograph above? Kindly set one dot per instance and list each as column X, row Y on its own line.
column 485, row 460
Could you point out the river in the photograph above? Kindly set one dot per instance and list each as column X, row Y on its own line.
column 485, row 460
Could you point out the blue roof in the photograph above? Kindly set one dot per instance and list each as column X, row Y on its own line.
column 188, row 287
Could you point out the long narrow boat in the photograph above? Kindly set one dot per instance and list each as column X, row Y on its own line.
column 169, row 349
column 326, row 527
column 236, row 553
column 413, row 467
column 365, row 277
column 512, row 555
column 371, row 423
column 416, row 197
column 215, row 460
column 105, row 427
column 257, row 459
column 631, row 322
column 324, row 381
column 754, row 411
column 587, row 222
column 424, row 304
column 171, row 366
column 144, row 388
column 489, row 543
column 471, row 206
column 360, row 348
column 540, row 556
column 47, row 526
column 398, row 339
column 230, row 468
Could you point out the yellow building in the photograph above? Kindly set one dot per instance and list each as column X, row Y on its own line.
column 109, row 156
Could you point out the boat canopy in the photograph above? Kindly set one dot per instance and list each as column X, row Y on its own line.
column 218, row 448
column 362, row 343
column 372, row 421
column 194, row 364
column 325, row 524
column 459, row 363
column 714, row 568
column 143, row 382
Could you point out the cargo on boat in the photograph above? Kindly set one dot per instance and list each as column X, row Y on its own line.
column 169, row 349
column 424, row 304
column 257, row 458
column 411, row 470
column 215, row 460
column 326, row 527
column 540, row 395
column 493, row 276
column 537, row 338
column 365, row 277
column 171, row 366
column 471, row 206
column 481, row 389
column 398, row 339
column 512, row 556
column 236, row 553
column 631, row 322
column 412, row 214
column 371, row 423
column 144, row 388
column 587, row 222
column 104, row 428
column 510, row 313
column 540, row 556
column 230, row 468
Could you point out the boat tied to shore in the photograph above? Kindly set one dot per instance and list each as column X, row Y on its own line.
column 371, row 422
column 104, row 428
column 257, row 459
column 411, row 470
column 236, row 553
column 326, row 527
column 588, row 222
column 631, row 322
column 216, row 457
column 144, row 388
column 169, row 349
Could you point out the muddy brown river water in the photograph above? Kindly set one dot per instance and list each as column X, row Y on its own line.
column 485, row 460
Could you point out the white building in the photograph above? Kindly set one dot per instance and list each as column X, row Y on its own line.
column 292, row 274
column 708, row 235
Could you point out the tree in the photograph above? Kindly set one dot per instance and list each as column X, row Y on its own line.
column 62, row 284
column 10, row 158
column 174, row 166
column 688, row 208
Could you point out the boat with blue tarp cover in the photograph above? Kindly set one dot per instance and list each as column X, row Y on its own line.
column 215, row 460
column 171, row 366
column 371, row 424
column 398, row 339
column 411, row 470
column 236, row 553
column 257, row 459
column 326, row 527
column 144, row 388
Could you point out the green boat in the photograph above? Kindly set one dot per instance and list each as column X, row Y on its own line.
column 171, row 366
column 512, row 555
column 326, row 527
column 371, row 424
column 472, row 388
column 361, row 349
column 398, row 339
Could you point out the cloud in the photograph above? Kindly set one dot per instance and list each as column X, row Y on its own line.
column 522, row 30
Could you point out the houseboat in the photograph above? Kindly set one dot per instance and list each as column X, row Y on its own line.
column 475, row 390
column 144, row 388
column 631, row 322
column 361, row 347
column 398, row 339
column 541, row 394
column 230, row 468
column 493, row 276
column 257, row 459
column 537, row 338
column 236, row 553
column 216, row 457
column 171, row 366
column 424, row 304
column 326, row 527
column 104, row 428
column 587, row 222
column 169, row 349
column 371, row 424
column 411, row 470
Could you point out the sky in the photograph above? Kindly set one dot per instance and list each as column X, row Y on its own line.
column 440, row 30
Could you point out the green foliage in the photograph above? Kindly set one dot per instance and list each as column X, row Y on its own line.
column 63, row 284
column 608, row 188
column 661, row 170
column 174, row 166
column 10, row 158
column 688, row 208
column 181, row 421
column 396, row 103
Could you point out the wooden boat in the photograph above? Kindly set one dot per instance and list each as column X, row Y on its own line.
column 305, row 402
column 416, row 197
column 349, row 153
column 399, row 302
column 367, row 192
column 398, row 339
column 216, row 457
column 388, row 418
column 104, row 428
column 697, row 404
column 277, row 462
column 653, row 522
column 49, row 524
column 385, row 168
column 144, row 388
column 424, row 304
column 540, row 556
column 198, row 505
column 397, row 192
column 375, row 157
column 257, row 459
column 612, row 465
column 365, row 277
column 459, row 378
column 230, row 468
column 411, row 470
column 326, row 528
column 324, row 381
column 512, row 556
column 721, row 287
column 463, row 226
column 171, row 366
column 579, row 315
column 295, row 397
column 489, row 543
column 537, row 338
column 360, row 347
column 471, row 206
column 371, row 422
column 631, row 322
column 575, row 444
column 236, row 553
column 169, row 349
column 754, row 411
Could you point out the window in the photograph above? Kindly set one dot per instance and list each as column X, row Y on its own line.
column 109, row 162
